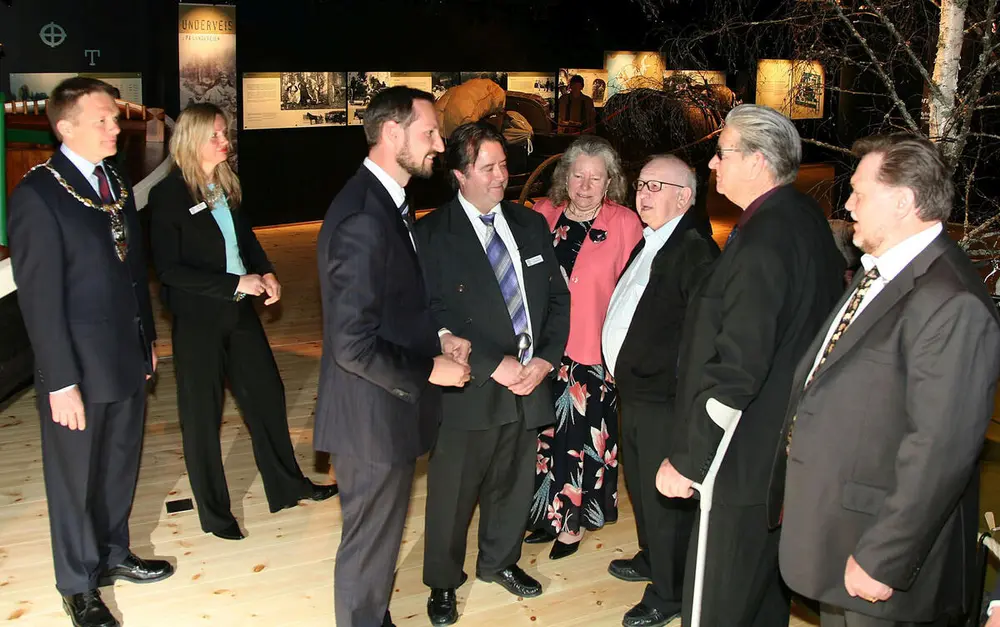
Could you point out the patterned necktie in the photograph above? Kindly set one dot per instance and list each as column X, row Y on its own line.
column 845, row 320
column 404, row 210
column 732, row 234
column 503, row 268
column 118, row 230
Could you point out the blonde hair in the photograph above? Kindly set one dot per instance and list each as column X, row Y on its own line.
column 592, row 146
column 193, row 130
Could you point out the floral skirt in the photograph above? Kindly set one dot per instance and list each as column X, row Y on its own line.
column 576, row 473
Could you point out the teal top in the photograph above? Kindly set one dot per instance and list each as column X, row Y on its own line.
column 224, row 218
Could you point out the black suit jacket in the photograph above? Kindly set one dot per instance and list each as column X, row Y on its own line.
column 87, row 313
column 466, row 298
column 755, row 316
column 883, row 461
column 379, row 340
column 189, row 251
column 646, row 369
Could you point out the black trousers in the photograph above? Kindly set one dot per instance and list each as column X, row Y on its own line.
column 837, row 617
column 90, row 478
column 663, row 525
column 207, row 351
column 495, row 467
column 742, row 585
column 374, row 498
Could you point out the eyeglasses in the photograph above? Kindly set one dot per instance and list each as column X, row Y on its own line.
column 654, row 186
column 720, row 151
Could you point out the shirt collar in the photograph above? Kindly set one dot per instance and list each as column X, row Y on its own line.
column 472, row 212
column 655, row 239
column 755, row 205
column 85, row 167
column 390, row 184
column 896, row 258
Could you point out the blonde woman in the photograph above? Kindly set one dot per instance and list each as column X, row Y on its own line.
column 211, row 265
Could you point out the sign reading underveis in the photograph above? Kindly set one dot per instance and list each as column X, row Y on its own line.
column 207, row 56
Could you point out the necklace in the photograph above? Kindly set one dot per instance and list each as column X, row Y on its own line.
column 114, row 210
column 572, row 213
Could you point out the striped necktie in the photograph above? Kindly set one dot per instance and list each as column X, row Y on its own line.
column 503, row 268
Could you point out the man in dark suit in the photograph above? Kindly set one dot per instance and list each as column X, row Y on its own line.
column 378, row 407
column 492, row 276
column 889, row 411
column 640, row 339
column 76, row 247
column 776, row 281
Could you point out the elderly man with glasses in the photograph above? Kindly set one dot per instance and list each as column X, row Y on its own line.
column 640, row 339
column 772, row 288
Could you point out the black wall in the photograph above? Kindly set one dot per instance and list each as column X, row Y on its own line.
column 291, row 175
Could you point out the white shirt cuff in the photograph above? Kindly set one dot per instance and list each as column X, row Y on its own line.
column 993, row 605
column 65, row 389
column 442, row 332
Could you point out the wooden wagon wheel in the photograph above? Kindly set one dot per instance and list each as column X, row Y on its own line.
column 526, row 190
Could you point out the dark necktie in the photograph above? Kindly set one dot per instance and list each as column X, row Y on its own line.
column 103, row 188
column 503, row 268
column 404, row 211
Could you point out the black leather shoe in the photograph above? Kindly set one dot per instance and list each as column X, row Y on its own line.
column 644, row 616
column 560, row 549
column 86, row 609
column 232, row 532
column 626, row 571
column 323, row 492
column 442, row 606
column 137, row 570
column 515, row 581
column 541, row 536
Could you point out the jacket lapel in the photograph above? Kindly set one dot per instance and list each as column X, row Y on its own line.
column 390, row 206
column 465, row 241
column 874, row 311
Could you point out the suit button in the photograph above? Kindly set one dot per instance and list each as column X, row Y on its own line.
column 468, row 321
column 461, row 287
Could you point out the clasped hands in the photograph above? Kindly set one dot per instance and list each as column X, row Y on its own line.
column 519, row 379
column 255, row 285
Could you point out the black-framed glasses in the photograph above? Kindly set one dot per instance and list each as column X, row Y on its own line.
column 653, row 186
column 720, row 151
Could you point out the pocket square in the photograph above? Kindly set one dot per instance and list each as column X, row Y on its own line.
column 537, row 259
column 197, row 208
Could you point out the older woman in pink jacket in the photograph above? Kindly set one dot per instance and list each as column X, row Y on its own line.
column 576, row 476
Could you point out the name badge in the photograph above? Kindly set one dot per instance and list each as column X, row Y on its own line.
column 197, row 208
column 537, row 259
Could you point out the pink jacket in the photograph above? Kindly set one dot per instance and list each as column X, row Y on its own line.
column 595, row 273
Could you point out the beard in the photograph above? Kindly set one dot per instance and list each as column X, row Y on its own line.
column 415, row 166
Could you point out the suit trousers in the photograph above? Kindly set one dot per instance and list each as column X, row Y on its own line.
column 663, row 524
column 207, row 351
column 495, row 467
column 374, row 498
column 831, row 616
column 743, row 587
column 90, row 479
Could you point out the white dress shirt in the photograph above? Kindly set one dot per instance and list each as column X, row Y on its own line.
column 889, row 265
column 625, row 299
column 396, row 191
column 503, row 232
column 87, row 168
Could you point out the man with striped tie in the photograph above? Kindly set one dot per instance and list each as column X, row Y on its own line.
column 493, row 279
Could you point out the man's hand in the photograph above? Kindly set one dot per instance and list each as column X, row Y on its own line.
column 532, row 374
column 994, row 620
column 251, row 284
column 67, row 408
column 152, row 352
column 671, row 483
column 509, row 372
column 270, row 284
column 860, row 584
column 458, row 348
column 448, row 372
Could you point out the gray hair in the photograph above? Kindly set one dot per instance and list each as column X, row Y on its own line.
column 764, row 130
column 691, row 179
column 592, row 146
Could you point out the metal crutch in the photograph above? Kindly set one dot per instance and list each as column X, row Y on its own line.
column 705, row 489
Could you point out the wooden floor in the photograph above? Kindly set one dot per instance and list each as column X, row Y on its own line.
column 282, row 574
